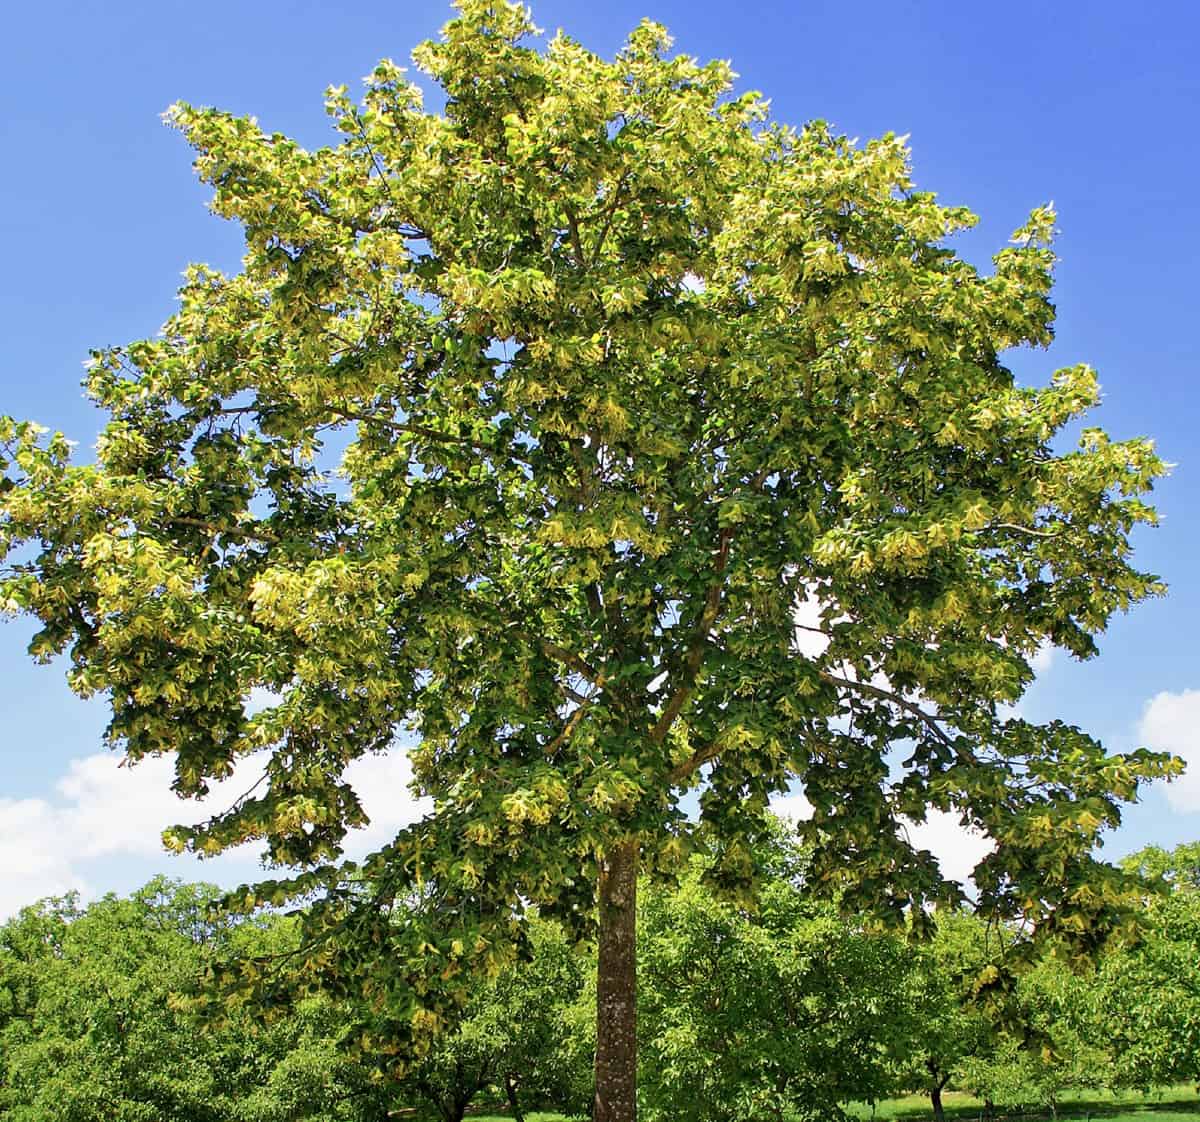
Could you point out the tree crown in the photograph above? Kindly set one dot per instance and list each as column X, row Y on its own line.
column 677, row 453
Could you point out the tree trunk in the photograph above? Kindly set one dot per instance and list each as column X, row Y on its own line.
column 935, row 1097
column 514, row 1105
column 616, row 988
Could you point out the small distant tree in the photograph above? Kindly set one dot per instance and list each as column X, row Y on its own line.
column 1177, row 869
column 1149, row 992
column 1036, row 1042
column 30, row 943
column 948, row 1024
column 297, row 1070
column 509, row 1039
column 624, row 373
column 93, row 1026
column 96, row 1037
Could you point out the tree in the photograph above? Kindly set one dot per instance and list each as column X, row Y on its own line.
column 293, row 1069
column 623, row 374
column 787, row 1011
column 1042, row 1047
column 1149, row 992
column 97, row 1037
column 1177, row 870
column 92, row 1026
column 510, row 1036
column 946, row 1024
column 30, row 943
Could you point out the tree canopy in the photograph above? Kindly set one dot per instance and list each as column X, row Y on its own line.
column 1149, row 991
column 785, row 1012
column 529, row 426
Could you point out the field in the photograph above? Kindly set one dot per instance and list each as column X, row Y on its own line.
column 1170, row 1104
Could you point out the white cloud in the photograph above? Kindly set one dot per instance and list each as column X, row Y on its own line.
column 810, row 638
column 1171, row 723
column 810, row 642
column 102, row 816
column 381, row 782
column 110, row 809
column 33, row 864
column 958, row 848
column 1043, row 657
column 795, row 807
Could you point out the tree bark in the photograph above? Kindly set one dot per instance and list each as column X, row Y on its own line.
column 939, row 1080
column 935, row 1098
column 514, row 1104
column 616, row 988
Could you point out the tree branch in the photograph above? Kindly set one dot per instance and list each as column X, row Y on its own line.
column 693, row 763
column 695, row 654
column 552, row 746
column 610, row 213
column 576, row 242
column 575, row 662
column 1021, row 529
column 928, row 719
column 428, row 433
column 263, row 536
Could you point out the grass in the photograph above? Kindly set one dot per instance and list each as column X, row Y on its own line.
column 541, row 1116
column 1168, row 1104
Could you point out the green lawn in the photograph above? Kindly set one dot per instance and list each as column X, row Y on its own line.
column 1171, row 1104
column 1064, row 1114
column 1168, row 1104
column 539, row 1116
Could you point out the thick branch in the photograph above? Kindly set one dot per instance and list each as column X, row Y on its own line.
column 576, row 241
column 568, row 658
column 694, row 762
column 695, row 654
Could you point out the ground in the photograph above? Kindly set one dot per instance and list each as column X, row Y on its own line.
column 1170, row 1104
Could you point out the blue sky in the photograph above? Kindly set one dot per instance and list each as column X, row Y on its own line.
column 1008, row 106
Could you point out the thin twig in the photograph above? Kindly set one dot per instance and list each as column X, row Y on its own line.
column 225, row 531
column 928, row 719
column 428, row 433
column 1021, row 530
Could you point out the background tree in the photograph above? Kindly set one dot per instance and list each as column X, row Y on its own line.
column 296, row 1067
column 788, row 1011
column 624, row 373
column 510, row 1038
column 1149, row 992
column 946, row 1023
column 92, row 1028
column 30, row 943
column 1177, row 869
column 97, row 1038
column 1042, row 1047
